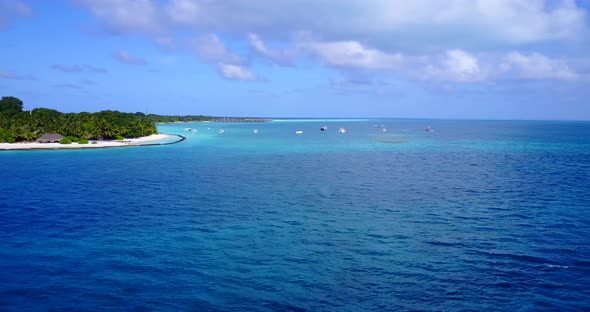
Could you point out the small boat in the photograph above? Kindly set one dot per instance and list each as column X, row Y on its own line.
column 429, row 129
column 195, row 131
column 298, row 131
column 324, row 128
column 187, row 129
column 255, row 131
column 220, row 131
column 341, row 130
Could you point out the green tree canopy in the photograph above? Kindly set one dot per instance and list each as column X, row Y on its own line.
column 18, row 125
column 10, row 105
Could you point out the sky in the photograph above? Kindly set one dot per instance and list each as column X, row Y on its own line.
column 483, row 59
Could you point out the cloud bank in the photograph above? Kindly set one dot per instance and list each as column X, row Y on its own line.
column 496, row 21
column 426, row 40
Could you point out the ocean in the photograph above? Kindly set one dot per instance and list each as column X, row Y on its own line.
column 475, row 215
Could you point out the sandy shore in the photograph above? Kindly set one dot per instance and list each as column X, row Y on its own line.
column 99, row 144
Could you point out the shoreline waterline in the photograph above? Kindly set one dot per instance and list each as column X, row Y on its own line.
column 151, row 140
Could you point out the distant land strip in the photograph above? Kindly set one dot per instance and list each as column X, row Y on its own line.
column 233, row 119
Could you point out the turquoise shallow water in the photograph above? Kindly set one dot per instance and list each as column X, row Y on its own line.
column 477, row 215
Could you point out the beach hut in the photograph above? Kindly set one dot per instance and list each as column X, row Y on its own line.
column 50, row 138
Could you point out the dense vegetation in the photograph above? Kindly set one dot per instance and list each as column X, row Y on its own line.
column 18, row 125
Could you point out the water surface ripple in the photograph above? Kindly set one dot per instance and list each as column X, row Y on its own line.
column 478, row 215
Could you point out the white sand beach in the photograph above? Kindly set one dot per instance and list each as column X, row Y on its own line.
column 99, row 144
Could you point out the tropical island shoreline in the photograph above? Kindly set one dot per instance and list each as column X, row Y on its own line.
column 141, row 141
column 48, row 129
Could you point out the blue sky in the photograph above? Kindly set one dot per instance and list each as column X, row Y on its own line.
column 490, row 59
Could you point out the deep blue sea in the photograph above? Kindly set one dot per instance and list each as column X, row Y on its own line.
column 476, row 215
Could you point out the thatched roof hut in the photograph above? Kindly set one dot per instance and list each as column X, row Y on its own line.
column 50, row 138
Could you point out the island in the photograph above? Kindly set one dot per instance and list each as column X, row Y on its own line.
column 44, row 128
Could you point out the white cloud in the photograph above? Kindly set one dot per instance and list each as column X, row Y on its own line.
column 236, row 72
column 126, row 58
column 461, row 66
column 398, row 37
column 352, row 54
column 454, row 65
column 122, row 16
column 212, row 49
column 537, row 66
column 183, row 11
column 381, row 23
column 281, row 57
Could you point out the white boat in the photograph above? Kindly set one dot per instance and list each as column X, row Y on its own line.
column 429, row 129
column 195, row 131
column 187, row 129
column 255, row 131
column 298, row 131
column 220, row 131
column 324, row 128
column 341, row 130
